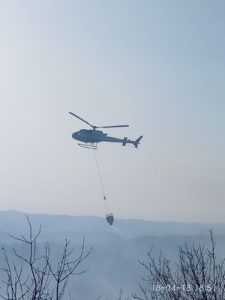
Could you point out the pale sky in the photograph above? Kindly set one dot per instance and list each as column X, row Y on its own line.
column 158, row 66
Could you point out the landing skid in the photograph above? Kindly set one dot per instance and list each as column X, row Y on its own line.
column 89, row 146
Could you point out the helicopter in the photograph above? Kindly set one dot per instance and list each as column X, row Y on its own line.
column 91, row 137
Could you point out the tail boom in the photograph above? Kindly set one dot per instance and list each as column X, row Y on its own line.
column 135, row 143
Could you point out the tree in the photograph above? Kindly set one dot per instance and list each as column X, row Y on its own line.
column 33, row 275
column 198, row 275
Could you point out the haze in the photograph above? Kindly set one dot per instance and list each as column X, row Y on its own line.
column 158, row 66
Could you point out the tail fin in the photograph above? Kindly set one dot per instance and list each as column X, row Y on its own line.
column 137, row 142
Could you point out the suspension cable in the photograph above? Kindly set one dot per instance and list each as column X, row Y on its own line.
column 101, row 182
column 109, row 215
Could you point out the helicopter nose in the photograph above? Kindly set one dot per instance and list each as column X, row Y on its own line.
column 74, row 135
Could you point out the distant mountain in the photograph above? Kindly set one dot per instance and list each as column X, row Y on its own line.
column 113, row 263
column 13, row 221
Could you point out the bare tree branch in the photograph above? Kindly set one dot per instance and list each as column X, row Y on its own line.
column 35, row 277
column 197, row 275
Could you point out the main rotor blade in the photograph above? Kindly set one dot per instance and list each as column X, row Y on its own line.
column 114, row 126
column 81, row 119
column 94, row 127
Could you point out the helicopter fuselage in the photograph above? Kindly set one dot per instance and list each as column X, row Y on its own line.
column 94, row 136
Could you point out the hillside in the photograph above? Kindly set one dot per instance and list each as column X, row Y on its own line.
column 113, row 263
